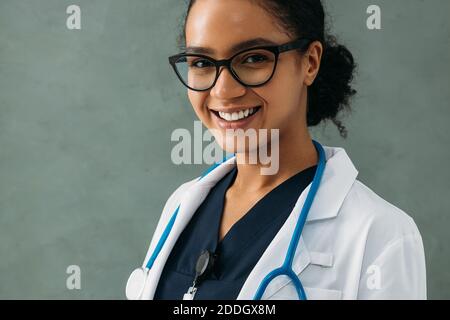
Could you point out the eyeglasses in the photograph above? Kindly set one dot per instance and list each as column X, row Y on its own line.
column 252, row 67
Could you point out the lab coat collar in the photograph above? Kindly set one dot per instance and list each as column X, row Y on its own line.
column 338, row 177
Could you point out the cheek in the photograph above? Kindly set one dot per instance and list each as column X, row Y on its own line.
column 283, row 97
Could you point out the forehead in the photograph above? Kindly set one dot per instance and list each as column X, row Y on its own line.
column 224, row 27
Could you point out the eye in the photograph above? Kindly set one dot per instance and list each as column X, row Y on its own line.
column 255, row 58
column 201, row 63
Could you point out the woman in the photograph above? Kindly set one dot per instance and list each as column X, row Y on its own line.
column 224, row 233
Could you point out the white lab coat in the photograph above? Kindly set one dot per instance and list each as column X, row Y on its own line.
column 354, row 245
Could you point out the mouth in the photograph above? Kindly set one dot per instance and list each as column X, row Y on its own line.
column 236, row 116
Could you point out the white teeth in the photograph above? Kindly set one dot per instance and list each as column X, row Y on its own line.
column 236, row 115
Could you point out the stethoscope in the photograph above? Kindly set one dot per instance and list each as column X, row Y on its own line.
column 137, row 279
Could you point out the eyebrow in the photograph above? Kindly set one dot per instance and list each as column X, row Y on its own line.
column 235, row 48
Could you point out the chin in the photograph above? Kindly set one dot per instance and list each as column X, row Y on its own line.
column 237, row 144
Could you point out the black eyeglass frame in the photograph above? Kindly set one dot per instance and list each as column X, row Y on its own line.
column 275, row 49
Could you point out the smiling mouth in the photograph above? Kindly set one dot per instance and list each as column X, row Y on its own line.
column 236, row 116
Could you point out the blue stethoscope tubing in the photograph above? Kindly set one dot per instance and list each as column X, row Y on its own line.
column 286, row 268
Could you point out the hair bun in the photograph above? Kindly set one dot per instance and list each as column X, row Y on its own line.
column 331, row 90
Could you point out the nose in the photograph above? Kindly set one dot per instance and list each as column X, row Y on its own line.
column 226, row 86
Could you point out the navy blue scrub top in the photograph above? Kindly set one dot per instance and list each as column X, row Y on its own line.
column 240, row 249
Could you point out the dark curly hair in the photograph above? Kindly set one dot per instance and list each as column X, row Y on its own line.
column 331, row 90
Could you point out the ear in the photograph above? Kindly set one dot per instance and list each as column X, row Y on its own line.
column 313, row 57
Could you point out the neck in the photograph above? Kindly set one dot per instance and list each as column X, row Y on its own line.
column 296, row 153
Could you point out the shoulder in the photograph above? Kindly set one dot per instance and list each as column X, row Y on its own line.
column 361, row 206
column 376, row 222
column 373, row 209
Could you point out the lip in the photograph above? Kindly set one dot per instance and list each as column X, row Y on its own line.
column 236, row 124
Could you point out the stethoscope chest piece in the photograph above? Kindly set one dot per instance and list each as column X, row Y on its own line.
column 136, row 283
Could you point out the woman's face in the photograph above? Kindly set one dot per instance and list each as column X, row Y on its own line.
column 220, row 25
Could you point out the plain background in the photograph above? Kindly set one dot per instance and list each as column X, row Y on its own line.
column 86, row 117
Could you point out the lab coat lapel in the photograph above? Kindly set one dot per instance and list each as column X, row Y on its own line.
column 189, row 203
column 338, row 177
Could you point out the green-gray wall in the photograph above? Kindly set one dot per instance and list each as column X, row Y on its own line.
column 86, row 117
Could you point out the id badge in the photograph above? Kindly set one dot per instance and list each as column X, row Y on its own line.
column 190, row 294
